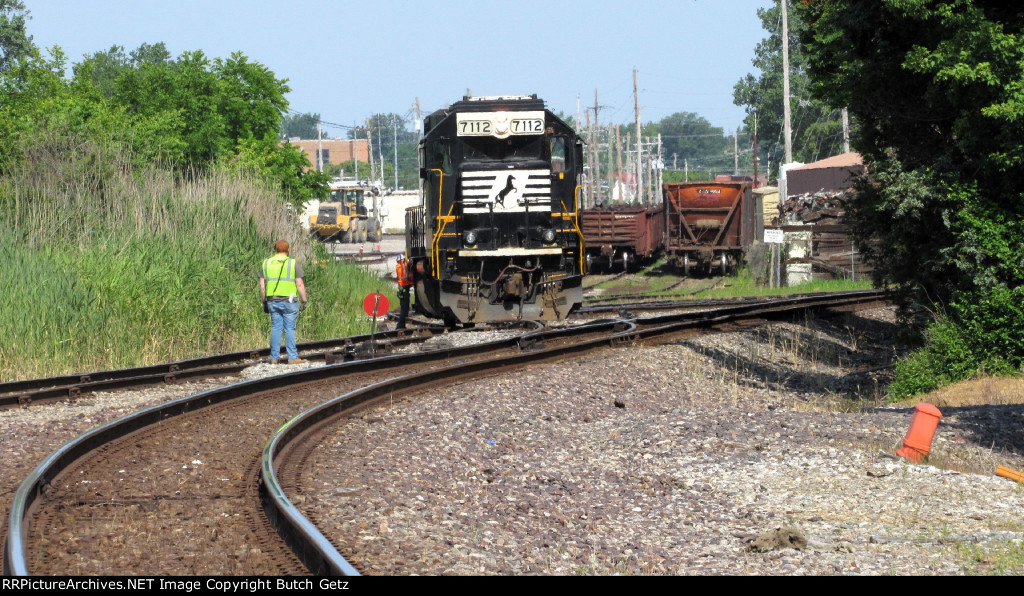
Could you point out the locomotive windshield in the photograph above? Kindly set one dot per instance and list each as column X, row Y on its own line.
column 519, row 148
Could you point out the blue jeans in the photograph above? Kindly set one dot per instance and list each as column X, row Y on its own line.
column 282, row 318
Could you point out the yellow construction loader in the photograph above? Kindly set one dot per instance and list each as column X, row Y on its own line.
column 344, row 217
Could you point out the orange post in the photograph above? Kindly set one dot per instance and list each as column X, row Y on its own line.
column 1011, row 474
column 918, row 441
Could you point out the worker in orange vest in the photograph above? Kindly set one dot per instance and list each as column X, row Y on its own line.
column 404, row 276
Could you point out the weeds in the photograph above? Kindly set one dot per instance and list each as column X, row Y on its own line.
column 145, row 268
column 1006, row 558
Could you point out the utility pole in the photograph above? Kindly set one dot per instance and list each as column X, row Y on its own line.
column 788, row 132
column 590, row 170
column 380, row 150
column 355, row 133
column 755, row 150
column 650, row 181
column 394, row 129
column 846, row 131
column 639, row 147
column 369, row 140
column 419, row 132
column 596, row 169
column 611, row 163
column 578, row 118
column 618, row 154
column 319, row 148
column 736, row 153
column 661, row 172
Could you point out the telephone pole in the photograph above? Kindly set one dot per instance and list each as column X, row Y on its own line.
column 736, row 153
column 639, row 147
column 369, row 140
column 394, row 130
column 846, row 131
column 618, row 156
column 319, row 148
column 590, row 172
column 355, row 154
column 419, row 132
column 788, row 132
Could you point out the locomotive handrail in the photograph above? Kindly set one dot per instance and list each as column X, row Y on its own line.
column 576, row 224
column 439, row 227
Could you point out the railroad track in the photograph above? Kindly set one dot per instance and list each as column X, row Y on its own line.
column 643, row 296
column 626, row 303
column 90, row 487
column 74, row 386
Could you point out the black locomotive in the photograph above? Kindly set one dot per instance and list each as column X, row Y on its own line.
column 496, row 236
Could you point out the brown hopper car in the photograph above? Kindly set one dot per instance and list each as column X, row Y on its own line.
column 710, row 225
column 622, row 236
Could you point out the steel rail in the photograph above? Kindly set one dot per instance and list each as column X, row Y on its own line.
column 298, row 534
column 698, row 303
column 319, row 554
column 37, row 482
column 24, row 393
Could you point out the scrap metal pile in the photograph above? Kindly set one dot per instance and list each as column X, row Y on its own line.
column 828, row 249
column 822, row 207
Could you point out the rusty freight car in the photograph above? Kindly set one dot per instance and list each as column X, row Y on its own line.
column 622, row 236
column 710, row 225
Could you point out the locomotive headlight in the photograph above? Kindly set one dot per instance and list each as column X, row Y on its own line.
column 548, row 236
column 470, row 237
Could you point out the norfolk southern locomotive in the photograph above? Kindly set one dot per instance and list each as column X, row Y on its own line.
column 496, row 236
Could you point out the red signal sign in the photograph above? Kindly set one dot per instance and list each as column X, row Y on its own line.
column 376, row 305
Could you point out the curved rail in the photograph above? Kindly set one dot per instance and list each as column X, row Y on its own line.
column 36, row 483
column 304, row 539
column 319, row 554
column 24, row 393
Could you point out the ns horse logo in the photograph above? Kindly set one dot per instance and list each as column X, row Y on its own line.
column 510, row 187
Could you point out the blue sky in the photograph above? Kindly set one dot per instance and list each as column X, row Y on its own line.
column 347, row 60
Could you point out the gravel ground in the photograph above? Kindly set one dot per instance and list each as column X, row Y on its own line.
column 737, row 453
column 730, row 454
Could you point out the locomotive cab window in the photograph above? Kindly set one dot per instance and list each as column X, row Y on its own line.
column 557, row 154
column 518, row 148
column 440, row 156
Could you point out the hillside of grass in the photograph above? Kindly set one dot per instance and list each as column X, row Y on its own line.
column 109, row 267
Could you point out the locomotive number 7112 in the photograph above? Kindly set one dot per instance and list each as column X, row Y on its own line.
column 475, row 127
column 526, row 127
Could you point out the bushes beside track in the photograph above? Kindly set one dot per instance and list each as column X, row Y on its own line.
column 105, row 267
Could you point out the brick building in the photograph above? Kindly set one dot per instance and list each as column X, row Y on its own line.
column 335, row 151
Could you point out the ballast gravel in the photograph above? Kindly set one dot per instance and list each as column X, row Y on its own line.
column 728, row 454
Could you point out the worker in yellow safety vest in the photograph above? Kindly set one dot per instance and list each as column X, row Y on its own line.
column 283, row 294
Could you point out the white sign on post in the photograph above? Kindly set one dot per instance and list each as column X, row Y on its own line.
column 773, row 236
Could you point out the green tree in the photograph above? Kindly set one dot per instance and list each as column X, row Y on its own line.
column 938, row 87
column 14, row 41
column 302, row 126
column 250, row 98
column 691, row 139
column 816, row 128
column 106, row 67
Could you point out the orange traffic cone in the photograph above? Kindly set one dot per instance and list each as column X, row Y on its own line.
column 1008, row 473
column 918, row 441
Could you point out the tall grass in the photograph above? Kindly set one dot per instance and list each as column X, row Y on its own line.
column 104, row 266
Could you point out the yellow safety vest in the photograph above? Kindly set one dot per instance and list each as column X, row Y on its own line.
column 284, row 283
